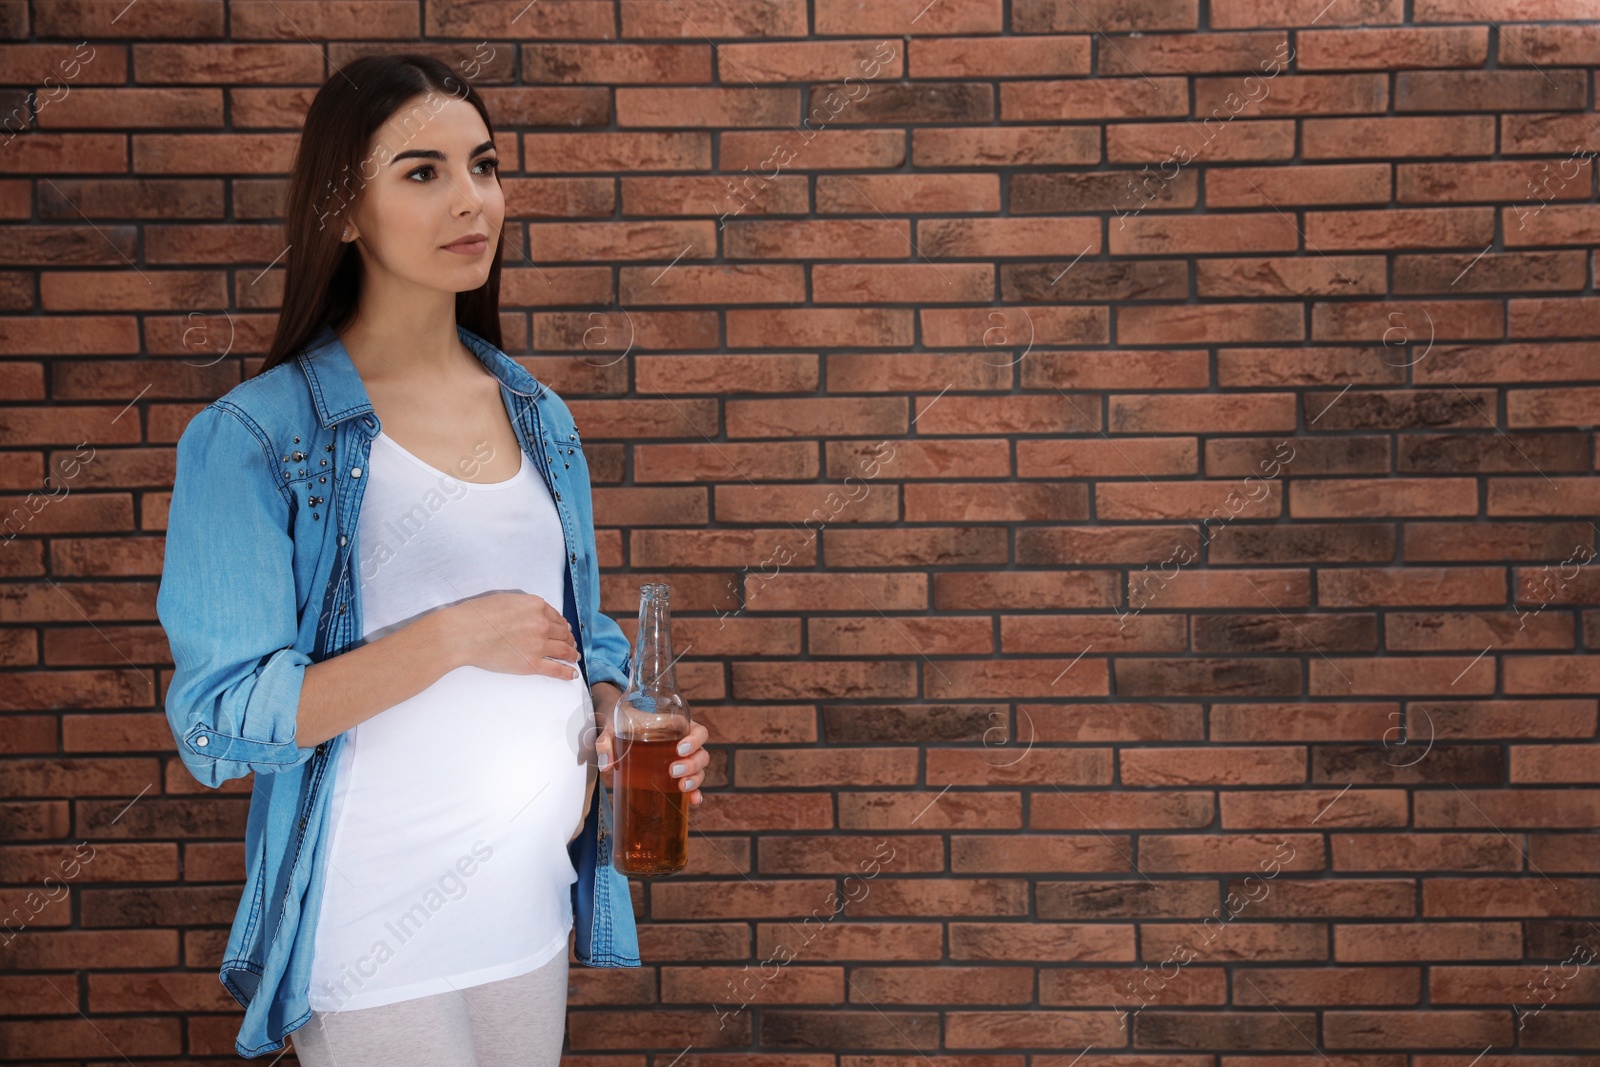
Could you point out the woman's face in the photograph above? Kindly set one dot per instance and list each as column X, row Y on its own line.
column 433, row 183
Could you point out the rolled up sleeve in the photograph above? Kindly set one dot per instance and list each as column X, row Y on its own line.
column 610, row 653
column 227, row 603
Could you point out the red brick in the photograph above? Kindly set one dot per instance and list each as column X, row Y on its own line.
column 1411, row 676
column 1163, row 369
column 1309, row 722
column 1024, row 590
column 904, row 16
column 1405, row 497
column 1491, row 273
column 1528, row 223
column 1221, row 502
column 1399, row 137
column 1273, row 765
column 1443, row 227
column 1242, row 851
column 1162, row 143
column 708, row 19
column 1551, row 134
column 1392, row 587
column 1002, row 237
column 1015, row 146
column 1475, row 90
column 1262, row 808
column 970, row 57
column 1189, row 53
column 1507, row 808
column 1332, row 183
column 1243, row 14
column 1146, row 632
column 1263, row 276
column 1101, row 16
column 1122, row 458
column 1379, row 48
column 1442, row 941
column 1158, row 235
column 1119, row 98
column 1546, row 317
column 1299, row 94
column 890, row 193
column 844, row 940
column 610, row 64
column 1214, row 322
column 735, row 106
column 1099, row 811
column 1040, row 941
column 1553, row 763
column 1538, row 45
column 809, row 239
column 1341, row 984
column 963, row 283
column 1517, row 363
column 1035, row 854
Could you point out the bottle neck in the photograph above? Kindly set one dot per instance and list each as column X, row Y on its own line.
column 653, row 655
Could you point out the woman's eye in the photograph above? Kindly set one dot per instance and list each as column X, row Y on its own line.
column 492, row 164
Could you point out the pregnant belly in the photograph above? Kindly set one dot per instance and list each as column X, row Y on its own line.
column 475, row 754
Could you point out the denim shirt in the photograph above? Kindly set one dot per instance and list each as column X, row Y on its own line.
column 260, row 580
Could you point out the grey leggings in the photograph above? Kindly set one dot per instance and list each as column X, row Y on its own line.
column 515, row 1022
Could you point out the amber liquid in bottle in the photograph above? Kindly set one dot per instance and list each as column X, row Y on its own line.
column 650, row 833
column 650, row 813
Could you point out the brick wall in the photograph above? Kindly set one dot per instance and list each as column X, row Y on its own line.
column 1125, row 470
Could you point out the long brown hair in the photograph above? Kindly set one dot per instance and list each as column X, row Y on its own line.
column 322, row 276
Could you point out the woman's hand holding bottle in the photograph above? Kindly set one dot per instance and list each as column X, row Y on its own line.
column 686, row 771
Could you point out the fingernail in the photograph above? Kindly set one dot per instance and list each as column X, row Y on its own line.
column 677, row 769
column 683, row 748
column 605, row 761
column 688, row 784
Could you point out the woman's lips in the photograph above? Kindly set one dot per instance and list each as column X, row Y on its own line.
column 474, row 247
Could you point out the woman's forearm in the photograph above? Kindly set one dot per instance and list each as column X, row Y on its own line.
column 350, row 688
column 606, row 695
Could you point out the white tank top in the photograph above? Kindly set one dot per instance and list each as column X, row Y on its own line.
column 452, row 811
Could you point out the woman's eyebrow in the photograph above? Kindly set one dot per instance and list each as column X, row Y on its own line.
column 434, row 153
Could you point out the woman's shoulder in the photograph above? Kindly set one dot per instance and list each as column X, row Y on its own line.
column 259, row 394
column 274, row 406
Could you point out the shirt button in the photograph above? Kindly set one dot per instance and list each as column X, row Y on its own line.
column 355, row 472
column 341, row 539
column 201, row 741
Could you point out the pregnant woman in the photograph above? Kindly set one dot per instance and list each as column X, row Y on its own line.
column 382, row 596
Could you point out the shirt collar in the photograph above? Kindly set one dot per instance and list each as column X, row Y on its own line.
column 339, row 394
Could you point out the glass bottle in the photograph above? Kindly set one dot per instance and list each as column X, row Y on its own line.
column 649, row 813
